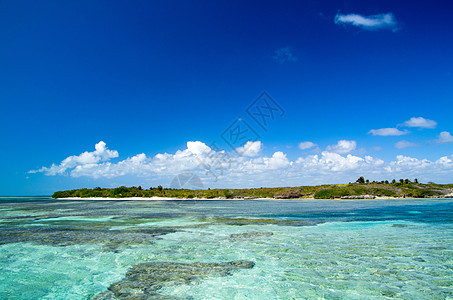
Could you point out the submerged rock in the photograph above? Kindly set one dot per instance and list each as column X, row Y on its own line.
column 143, row 281
column 399, row 225
column 62, row 236
column 276, row 221
column 249, row 235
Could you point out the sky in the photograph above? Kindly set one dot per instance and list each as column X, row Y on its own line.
column 232, row 93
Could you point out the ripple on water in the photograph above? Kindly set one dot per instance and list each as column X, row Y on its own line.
column 376, row 253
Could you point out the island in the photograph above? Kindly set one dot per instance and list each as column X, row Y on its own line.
column 361, row 189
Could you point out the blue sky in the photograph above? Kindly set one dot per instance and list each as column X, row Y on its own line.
column 148, row 77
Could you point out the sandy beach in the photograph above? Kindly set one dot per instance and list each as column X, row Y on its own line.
column 215, row 199
column 161, row 199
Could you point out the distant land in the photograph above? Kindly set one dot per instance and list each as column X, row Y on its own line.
column 361, row 189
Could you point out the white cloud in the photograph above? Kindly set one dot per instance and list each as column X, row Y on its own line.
column 405, row 166
column 137, row 165
column 420, row 123
column 259, row 164
column 404, row 144
column 279, row 160
column 342, row 147
column 374, row 22
column 284, row 55
column 306, row 145
column 406, row 163
column 388, row 132
column 100, row 154
column 329, row 161
column 444, row 138
column 247, row 171
column 197, row 147
column 445, row 161
column 250, row 149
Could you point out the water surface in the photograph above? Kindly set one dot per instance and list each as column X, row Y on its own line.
column 373, row 249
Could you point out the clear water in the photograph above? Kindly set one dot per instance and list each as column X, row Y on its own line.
column 368, row 249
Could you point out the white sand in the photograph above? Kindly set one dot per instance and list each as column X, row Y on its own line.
column 214, row 199
column 159, row 198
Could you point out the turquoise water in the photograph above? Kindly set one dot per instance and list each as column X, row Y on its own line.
column 368, row 249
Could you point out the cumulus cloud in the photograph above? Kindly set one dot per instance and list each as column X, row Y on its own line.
column 405, row 166
column 197, row 147
column 405, row 163
column 250, row 149
column 445, row 161
column 329, row 161
column 444, row 138
column 259, row 164
column 420, row 123
column 388, row 132
column 86, row 159
column 284, row 55
column 255, row 169
column 197, row 156
column 342, row 147
column 306, row 145
column 405, row 144
column 373, row 22
column 136, row 165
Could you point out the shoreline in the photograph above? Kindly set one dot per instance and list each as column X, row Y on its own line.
column 161, row 199
column 231, row 199
column 351, row 191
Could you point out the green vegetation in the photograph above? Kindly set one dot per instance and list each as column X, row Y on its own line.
column 362, row 187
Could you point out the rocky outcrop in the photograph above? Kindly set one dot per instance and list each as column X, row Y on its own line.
column 143, row 281
column 289, row 195
column 250, row 235
column 61, row 236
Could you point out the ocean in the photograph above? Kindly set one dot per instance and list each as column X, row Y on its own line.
column 295, row 249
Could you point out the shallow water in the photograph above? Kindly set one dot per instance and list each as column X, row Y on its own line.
column 367, row 249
